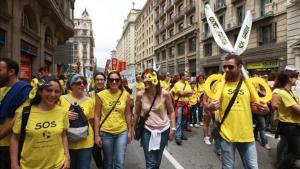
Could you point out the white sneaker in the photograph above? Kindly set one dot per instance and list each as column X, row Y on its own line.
column 201, row 123
column 206, row 141
column 196, row 125
column 191, row 125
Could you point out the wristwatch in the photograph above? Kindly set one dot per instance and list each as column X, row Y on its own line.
column 173, row 128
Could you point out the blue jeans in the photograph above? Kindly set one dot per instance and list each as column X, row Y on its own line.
column 193, row 115
column 180, row 123
column 81, row 158
column 261, row 128
column 114, row 148
column 247, row 152
column 153, row 158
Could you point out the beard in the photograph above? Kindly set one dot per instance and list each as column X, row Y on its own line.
column 231, row 76
column 3, row 81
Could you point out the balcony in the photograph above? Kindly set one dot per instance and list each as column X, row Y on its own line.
column 170, row 7
column 190, row 8
column 236, row 1
column 170, row 23
column 162, row 14
column 269, row 9
column 219, row 7
column 162, row 28
column 178, row 16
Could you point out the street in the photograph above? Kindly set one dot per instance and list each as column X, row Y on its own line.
column 195, row 154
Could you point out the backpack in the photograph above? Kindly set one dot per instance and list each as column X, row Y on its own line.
column 79, row 128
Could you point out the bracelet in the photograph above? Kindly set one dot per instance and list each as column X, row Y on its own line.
column 173, row 128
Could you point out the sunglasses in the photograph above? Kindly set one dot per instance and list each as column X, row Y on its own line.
column 111, row 80
column 78, row 83
column 230, row 67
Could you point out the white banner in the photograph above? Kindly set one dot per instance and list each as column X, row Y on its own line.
column 129, row 74
column 217, row 31
column 244, row 34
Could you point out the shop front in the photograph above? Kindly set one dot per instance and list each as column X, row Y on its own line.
column 264, row 67
column 28, row 53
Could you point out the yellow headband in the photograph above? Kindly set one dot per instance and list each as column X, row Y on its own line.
column 152, row 77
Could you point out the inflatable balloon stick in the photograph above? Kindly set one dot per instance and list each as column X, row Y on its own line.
column 239, row 47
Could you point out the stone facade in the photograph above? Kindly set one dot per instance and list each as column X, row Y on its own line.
column 31, row 29
column 83, row 43
column 267, row 50
column 176, row 36
column 125, row 49
column 293, row 33
column 144, row 37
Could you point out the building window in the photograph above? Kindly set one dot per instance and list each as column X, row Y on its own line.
column 208, row 49
column 25, row 20
column 192, row 44
column 220, row 3
column 192, row 19
column 171, row 32
column 171, row 16
column 171, row 52
column 192, row 67
column 263, row 7
column 240, row 14
column 181, row 68
column 206, row 30
column 180, row 49
column 84, row 32
column 222, row 20
column 222, row 51
column 163, row 37
column 268, row 34
column 180, row 10
column 163, row 55
column 75, row 46
column 48, row 37
column 180, row 27
column 157, row 57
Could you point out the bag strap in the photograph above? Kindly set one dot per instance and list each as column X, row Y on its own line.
column 25, row 116
column 180, row 95
column 232, row 100
column 72, row 102
column 111, row 110
column 148, row 112
column 291, row 94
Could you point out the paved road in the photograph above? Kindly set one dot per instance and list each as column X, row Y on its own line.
column 194, row 154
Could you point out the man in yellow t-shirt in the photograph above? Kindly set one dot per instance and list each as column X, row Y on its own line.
column 18, row 92
column 182, row 93
column 166, row 82
column 236, row 131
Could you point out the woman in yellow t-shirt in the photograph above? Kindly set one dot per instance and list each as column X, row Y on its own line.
column 81, row 150
column 45, row 144
column 288, row 110
column 115, row 132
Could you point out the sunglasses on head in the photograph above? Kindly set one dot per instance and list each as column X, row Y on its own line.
column 230, row 67
column 78, row 83
column 111, row 80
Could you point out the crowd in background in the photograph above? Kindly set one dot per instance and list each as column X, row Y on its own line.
column 67, row 123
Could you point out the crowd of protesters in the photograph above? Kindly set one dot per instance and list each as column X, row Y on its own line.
column 58, row 123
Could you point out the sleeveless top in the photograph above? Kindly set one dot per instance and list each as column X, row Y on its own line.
column 158, row 116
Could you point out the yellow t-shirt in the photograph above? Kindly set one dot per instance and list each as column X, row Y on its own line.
column 4, row 141
column 237, row 126
column 88, row 109
column 179, row 87
column 140, row 86
column 194, row 97
column 116, row 121
column 164, row 84
column 200, row 89
column 285, row 107
column 43, row 145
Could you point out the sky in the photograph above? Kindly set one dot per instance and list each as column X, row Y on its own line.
column 108, row 19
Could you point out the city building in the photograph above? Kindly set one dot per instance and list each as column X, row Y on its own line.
column 176, row 35
column 267, row 49
column 83, row 43
column 31, row 29
column 144, row 37
column 125, row 49
column 293, row 33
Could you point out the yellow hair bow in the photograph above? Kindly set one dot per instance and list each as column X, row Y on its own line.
column 35, row 85
column 152, row 77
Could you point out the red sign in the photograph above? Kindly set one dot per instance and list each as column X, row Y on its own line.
column 25, row 67
column 114, row 63
column 107, row 65
column 121, row 65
